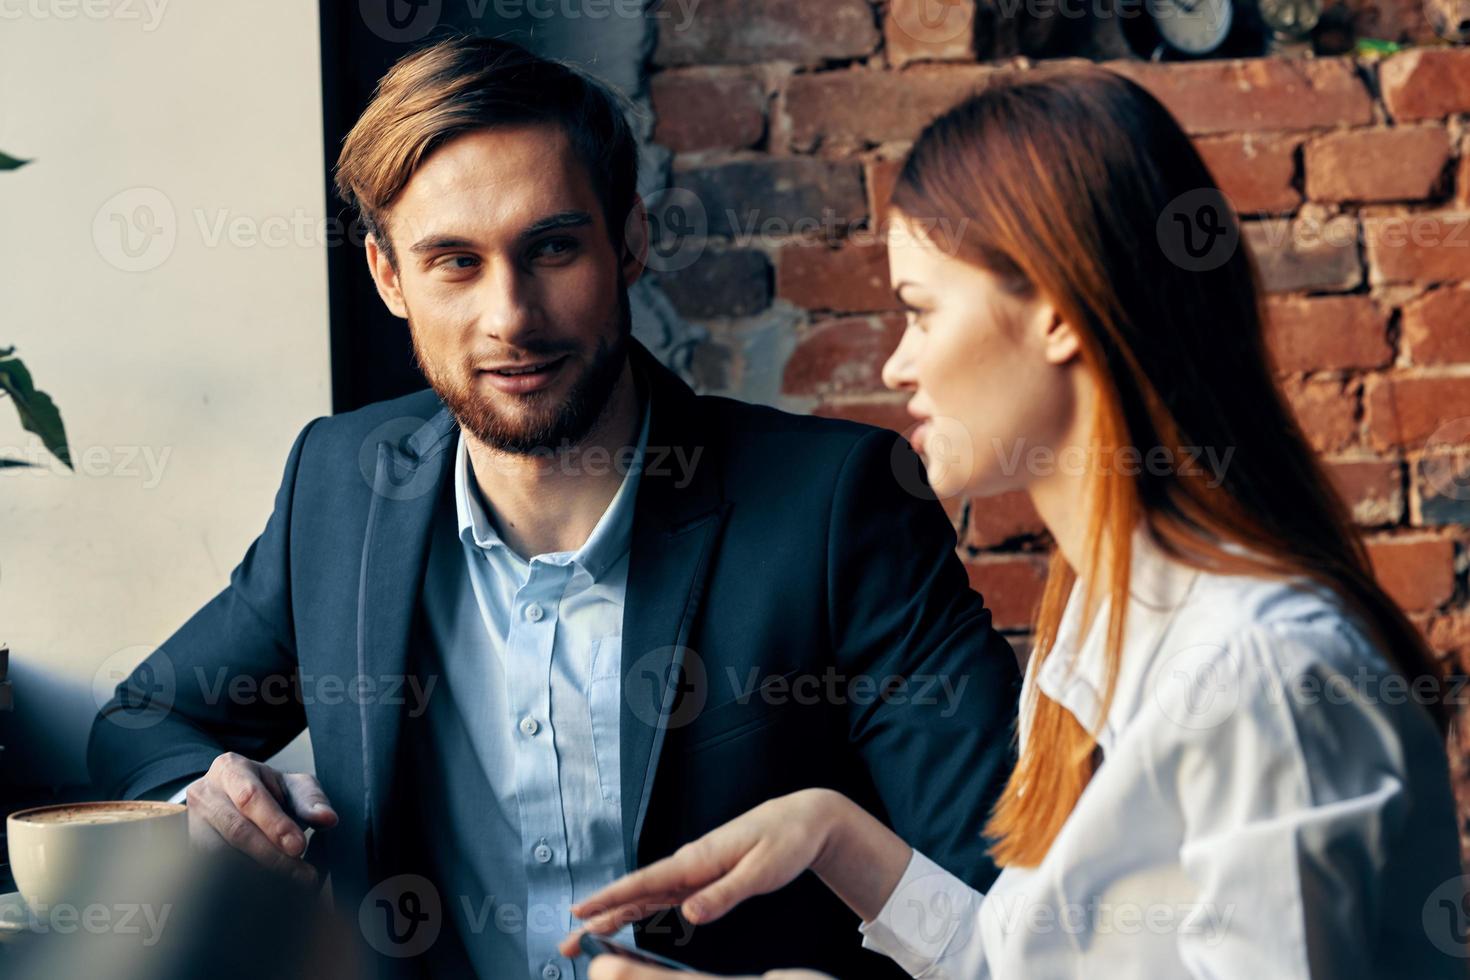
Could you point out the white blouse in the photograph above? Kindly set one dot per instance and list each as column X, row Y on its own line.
column 1272, row 803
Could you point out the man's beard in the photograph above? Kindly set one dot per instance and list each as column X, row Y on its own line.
column 540, row 425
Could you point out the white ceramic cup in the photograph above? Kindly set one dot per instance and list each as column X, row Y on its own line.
column 65, row 854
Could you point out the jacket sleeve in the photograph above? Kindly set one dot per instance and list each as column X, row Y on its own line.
column 225, row 681
column 933, row 688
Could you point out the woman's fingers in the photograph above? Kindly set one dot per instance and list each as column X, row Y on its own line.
column 677, row 876
column 623, row 968
column 750, row 876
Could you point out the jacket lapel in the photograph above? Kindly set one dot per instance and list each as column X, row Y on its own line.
column 676, row 523
column 407, row 486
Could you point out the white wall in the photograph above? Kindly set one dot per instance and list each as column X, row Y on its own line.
column 183, row 371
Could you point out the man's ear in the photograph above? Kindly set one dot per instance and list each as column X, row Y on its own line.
column 635, row 242
column 385, row 277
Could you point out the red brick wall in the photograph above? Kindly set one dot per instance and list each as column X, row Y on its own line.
column 1353, row 177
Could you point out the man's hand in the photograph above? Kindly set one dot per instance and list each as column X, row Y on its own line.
column 258, row 811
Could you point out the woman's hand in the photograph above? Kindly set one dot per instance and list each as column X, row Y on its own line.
column 622, row 968
column 758, row 852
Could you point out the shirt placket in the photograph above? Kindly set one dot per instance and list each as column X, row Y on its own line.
column 543, row 837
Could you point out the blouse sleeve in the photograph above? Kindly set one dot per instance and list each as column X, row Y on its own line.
column 930, row 925
column 1293, row 793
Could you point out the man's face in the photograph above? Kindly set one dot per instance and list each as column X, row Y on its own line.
column 515, row 295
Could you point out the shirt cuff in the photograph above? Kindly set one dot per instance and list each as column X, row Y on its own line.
column 930, row 915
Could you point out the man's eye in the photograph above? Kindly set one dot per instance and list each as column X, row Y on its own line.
column 554, row 248
column 458, row 263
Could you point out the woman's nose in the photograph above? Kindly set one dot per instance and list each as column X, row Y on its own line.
column 898, row 374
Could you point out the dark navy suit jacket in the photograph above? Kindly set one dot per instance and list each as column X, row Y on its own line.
column 800, row 552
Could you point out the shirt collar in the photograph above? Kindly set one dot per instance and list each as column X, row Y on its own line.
column 608, row 541
column 1074, row 672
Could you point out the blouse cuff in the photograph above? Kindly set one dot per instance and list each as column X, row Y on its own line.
column 931, row 914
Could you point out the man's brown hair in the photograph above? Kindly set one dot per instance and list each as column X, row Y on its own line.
column 465, row 83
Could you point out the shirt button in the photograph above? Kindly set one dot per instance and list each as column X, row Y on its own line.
column 551, row 971
column 543, row 853
column 529, row 726
column 534, row 612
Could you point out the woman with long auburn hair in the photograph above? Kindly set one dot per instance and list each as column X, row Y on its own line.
column 1231, row 742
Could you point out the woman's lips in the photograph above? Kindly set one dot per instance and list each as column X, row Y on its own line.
column 917, row 437
column 520, row 384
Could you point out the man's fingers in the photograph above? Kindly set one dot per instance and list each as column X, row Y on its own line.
column 218, row 810
column 258, row 793
column 307, row 800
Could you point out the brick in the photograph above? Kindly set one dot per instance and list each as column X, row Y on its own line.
column 1442, row 487
column 851, row 278
column 1001, row 518
column 857, row 107
column 1256, row 171
column 1406, row 411
column 1372, row 489
column 1011, row 586
column 733, row 282
column 1418, row 574
column 1326, row 411
column 1462, row 176
column 1435, row 327
column 1306, row 255
column 1256, row 93
column 929, row 30
column 759, row 200
column 707, row 109
column 751, row 31
column 843, row 356
column 1328, row 333
column 1400, row 164
column 1425, row 247
column 1426, row 83
column 885, row 414
column 880, row 176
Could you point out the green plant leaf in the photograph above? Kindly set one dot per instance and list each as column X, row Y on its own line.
column 7, row 463
column 8, row 162
column 38, row 413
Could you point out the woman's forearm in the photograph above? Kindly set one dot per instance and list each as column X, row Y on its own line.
column 861, row 860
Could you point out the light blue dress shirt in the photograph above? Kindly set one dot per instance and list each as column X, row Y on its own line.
column 523, row 800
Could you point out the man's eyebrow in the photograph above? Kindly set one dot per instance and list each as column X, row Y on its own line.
column 561, row 219
column 434, row 242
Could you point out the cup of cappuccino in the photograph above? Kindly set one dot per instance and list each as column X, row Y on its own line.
column 76, row 854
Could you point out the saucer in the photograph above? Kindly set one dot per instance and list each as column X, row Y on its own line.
column 15, row 918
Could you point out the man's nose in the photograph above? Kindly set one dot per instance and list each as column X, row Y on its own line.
column 508, row 305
